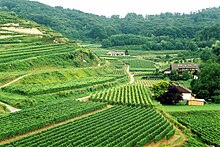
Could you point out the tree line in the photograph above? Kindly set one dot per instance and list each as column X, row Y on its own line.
column 201, row 27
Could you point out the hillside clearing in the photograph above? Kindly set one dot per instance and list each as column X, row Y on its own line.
column 32, row 31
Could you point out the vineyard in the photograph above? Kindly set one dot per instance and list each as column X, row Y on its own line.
column 42, row 115
column 205, row 124
column 65, row 81
column 116, row 126
column 130, row 95
column 139, row 64
column 33, row 51
column 148, row 82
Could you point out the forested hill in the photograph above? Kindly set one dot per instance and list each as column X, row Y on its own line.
column 78, row 25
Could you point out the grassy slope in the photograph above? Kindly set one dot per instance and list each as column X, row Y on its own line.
column 185, row 108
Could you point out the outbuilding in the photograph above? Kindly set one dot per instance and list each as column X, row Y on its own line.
column 186, row 93
column 116, row 53
column 196, row 102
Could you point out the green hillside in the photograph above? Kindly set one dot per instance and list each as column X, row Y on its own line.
column 77, row 25
column 58, row 91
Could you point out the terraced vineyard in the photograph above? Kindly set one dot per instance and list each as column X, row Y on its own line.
column 135, row 95
column 148, row 82
column 205, row 124
column 33, row 51
column 116, row 126
column 40, row 116
column 68, row 81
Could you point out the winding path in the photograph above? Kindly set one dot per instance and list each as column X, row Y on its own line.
column 15, row 80
column 130, row 75
column 10, row 108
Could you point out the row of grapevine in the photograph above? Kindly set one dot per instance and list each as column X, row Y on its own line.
column 24, row 54
column 206, row 124
column 148, row 82
column 42, row 115
column 130, row 95
column 116, row 126
column 37, row 89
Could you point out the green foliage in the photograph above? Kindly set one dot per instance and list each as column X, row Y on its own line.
column 117, row 126
column 78, row 25
column 160, row 88
column 170, row 134
column 206, row 124
column 123, row 39
column 216, row 49
column 51, row 55
column 171, row 96
column 135, row 95
column 40, row 116
column 163, row 133
column 208, row 83
column 206, row 55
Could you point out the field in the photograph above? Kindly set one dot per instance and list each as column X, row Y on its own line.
column 117, row 126
column 185, row 108
column 49, row 85
column 139, row 63
column 130, row 95
column 40, row 116
column 148, row 82
column 206, row 124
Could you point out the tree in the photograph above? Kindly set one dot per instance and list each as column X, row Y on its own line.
column 160, row 88
column 126, row 52
column 206, row 55
column 174, row 75
column 172, row 96
column 216, row 50
column 208, row 84
column 186, row 75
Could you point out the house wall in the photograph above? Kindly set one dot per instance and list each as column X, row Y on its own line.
column 187, row 96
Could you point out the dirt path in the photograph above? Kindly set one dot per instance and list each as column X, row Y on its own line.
column 10, row 108
column 130, row 75
column 83, row 99
column 52, row 125
column 183, row 136
column 13, row 109
column 15, row 80
column 170, row 142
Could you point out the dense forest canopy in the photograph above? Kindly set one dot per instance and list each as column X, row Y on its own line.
column 200, row 28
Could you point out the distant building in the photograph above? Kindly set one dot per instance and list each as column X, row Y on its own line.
column 181, row 67
column 116, row 53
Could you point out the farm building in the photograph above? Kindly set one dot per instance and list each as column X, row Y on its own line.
column 186, row 93
column 180, row 68
column 116, row 53
column 191, row 67
column 196, row 102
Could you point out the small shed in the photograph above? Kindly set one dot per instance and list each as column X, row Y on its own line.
column 196, row 102
column 116, row 53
